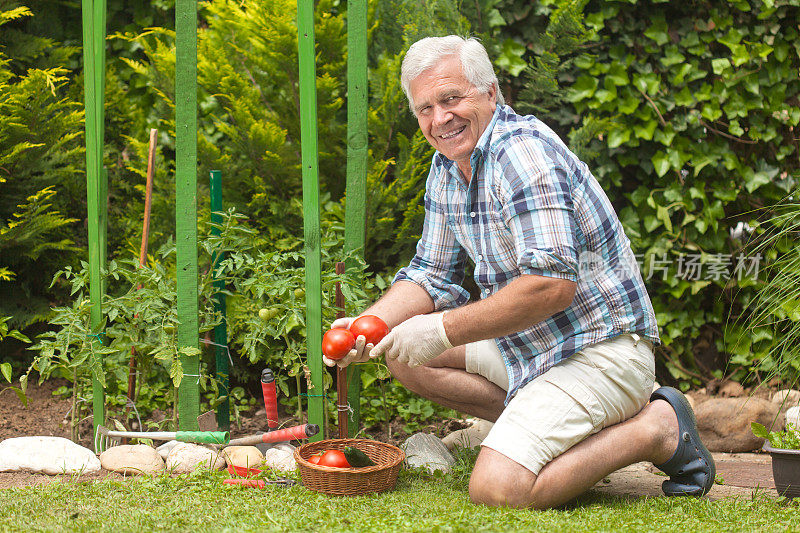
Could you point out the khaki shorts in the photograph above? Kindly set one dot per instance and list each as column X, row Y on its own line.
column 599, row 386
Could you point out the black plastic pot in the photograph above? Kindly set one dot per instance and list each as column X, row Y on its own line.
column 785, row 470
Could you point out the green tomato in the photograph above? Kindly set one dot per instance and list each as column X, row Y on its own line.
column 267, row 314
column 299, row 293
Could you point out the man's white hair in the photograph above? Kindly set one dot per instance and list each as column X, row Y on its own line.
column 427, row 52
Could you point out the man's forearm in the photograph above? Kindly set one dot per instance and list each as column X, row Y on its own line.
column 403, row 300
column 519, row 305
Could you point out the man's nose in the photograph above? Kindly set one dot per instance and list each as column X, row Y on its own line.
column 441, row 115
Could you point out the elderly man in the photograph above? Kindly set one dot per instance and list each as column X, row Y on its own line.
column 557, row 351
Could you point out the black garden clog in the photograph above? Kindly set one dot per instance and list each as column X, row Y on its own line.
column 691, row 468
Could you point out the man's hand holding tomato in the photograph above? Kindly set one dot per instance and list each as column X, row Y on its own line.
column 367, row 330
column 414, row 342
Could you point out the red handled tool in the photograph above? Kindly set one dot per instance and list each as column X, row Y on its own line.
column 258, row 483
column 303, row 431
column 253, row 483
column 270, row 398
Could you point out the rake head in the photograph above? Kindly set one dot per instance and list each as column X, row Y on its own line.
column 103, row 439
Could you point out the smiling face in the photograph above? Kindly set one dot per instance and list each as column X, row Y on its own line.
column 451, row 112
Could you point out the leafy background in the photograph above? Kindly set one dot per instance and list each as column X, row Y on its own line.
column 687, row 113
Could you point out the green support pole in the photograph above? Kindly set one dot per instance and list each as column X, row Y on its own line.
column 102, row 202
column 220, row 331
column 355, row 208
column 186, row 208
column 311, row 208
column 94, row 27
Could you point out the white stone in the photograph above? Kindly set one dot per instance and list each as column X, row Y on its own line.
column 468, row 437
column 427, row 451
column 186, row 457
column 280, row 458
column 48, row 455
column 165, row 448
column 791, row 397
column 132, row 459
column 243, row 456
column 793, row 417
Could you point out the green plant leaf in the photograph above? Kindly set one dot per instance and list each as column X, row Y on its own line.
column 660, row 163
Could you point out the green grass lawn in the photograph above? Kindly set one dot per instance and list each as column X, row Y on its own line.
column 200, row 502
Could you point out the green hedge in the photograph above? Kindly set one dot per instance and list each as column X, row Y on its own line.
column 699, row 107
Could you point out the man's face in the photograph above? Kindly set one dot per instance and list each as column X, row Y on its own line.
column 452, row 114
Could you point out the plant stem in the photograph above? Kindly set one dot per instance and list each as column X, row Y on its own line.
column 73, row 430
column 300, row 416
column 175, row 408
column 386, row 410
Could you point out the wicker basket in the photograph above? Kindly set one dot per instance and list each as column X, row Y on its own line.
column 350, row 481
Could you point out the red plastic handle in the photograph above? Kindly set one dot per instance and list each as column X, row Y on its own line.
column 303, row 431
column 253, row 483
column 270, row 397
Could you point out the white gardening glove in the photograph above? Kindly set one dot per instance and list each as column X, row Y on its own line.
column 415, row 341
column 358, row 354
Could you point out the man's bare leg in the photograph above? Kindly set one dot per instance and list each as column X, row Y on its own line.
column 651, row 435
column 445, row 381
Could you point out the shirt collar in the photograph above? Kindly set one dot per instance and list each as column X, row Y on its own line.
column 485, row 141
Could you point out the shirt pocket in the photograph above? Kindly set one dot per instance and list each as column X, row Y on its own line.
column 498, row 240
column 456, row 222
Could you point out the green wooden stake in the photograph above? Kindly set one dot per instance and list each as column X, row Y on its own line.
column 102, row 203
column 311, row 208
column 220, row 331
column 93, row 13
column 357, row 144
column 186, row 207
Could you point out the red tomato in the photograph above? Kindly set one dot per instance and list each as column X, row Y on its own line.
column 372, row 327
column 314, row 459
column 334, row 458
column 337, row 342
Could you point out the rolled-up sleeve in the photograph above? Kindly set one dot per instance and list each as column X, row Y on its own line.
column 537, row 207
column 439, row 263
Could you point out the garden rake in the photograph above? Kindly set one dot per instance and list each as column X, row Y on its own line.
column 106, row 438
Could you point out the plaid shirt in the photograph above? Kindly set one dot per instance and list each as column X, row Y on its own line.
column 531, row 207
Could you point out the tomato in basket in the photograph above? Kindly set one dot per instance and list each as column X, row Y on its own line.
column 334, row 458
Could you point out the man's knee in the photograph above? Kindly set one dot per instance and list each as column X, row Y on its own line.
column 498, row 481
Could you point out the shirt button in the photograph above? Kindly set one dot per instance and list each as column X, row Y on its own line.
column 472, row 214
column 486, row 291
column 480, row 257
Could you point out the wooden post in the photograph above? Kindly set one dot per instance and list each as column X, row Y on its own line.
column 186, row 207
column 94, row 30
column 311, row 208
column 220, row 331
column 342, row 407
column 357, row 145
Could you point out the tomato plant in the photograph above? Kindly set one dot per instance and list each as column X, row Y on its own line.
column 334, row 458
column 372, row 327
column 337, row 342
